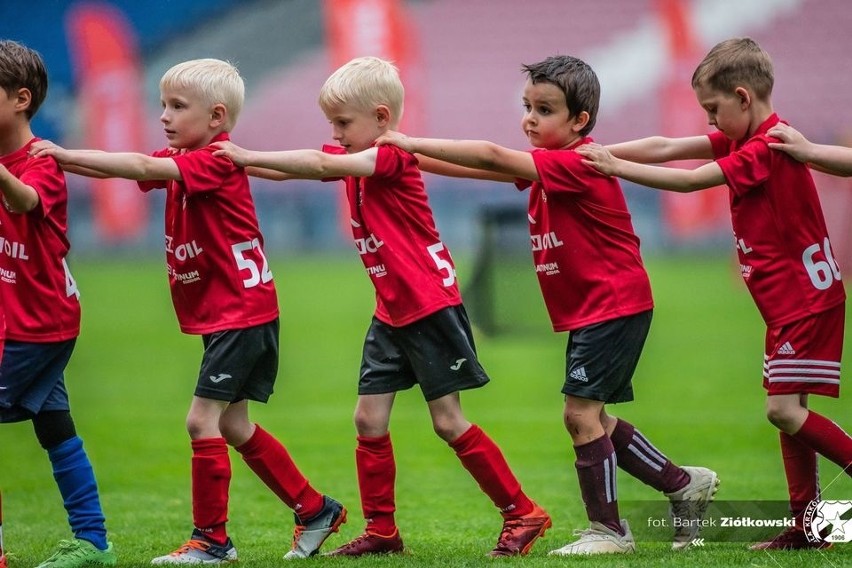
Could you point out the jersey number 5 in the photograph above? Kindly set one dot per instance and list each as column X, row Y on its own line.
column 442, row 263
column 822, row 273
column 256, row 276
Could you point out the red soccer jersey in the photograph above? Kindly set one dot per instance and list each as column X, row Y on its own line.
column 395, row 235
column 779, row 231
column 585, row 250
column 218, row 273
column 41, row 299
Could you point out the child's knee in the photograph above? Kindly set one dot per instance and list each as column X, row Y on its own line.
column 369, row 424
column 784, row 413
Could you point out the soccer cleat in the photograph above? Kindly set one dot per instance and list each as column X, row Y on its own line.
column 3, row 561
column 199, row 550
column 77, row 553
column 793, row 538
column 689, row 505
column 370, row 543
column 309, row 535
column 599, row 539
column 520, row 533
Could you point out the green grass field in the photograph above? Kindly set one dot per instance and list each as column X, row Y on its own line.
column 698, row 397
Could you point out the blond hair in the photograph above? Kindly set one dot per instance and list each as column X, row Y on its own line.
column 365, row 83
column 737, row 62
column 213, row 80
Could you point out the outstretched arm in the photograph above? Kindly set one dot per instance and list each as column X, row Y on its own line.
column 129, row 165
column 471, row 154
column 442, row 168
column 305, row 164
column 659, row 149
column 670, row 179
column 836, row 160
column 18, row 196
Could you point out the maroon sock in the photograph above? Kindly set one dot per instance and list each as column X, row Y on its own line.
column 376, row 479
column 211, row 477
column 827, row 438
column 800, row 467
column 638, row 457
column 485, row 462
column 596, row 467
column 270, row 461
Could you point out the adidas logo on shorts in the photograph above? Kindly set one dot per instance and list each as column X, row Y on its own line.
column 579, row 374
column 786, row 349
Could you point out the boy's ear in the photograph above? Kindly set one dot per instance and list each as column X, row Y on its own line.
column 23, row 99
column 744, row 96
column 581, row 120
column 218, row 115
column 383, row 115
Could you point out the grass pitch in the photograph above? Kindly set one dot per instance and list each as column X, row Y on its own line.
column 698, row 398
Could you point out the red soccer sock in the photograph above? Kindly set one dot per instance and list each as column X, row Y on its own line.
column 485, row 462
column 596, row 468
column 827, row 438
column 638, row 457
column 376, row 479
column 800, row 467
column 270, row 461
column 211, row 477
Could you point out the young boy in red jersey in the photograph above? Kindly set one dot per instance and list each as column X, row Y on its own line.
column 222, row 289
column 42, row 307
column 594, row 286
column 420, row 333
column 784, row 252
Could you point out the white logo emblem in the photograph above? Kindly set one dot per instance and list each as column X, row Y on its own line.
column 829, row 521
column 457, row 366
column 786, row 349
column 579, row 375
column 220, row 378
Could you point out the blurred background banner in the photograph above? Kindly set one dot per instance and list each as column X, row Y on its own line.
column 701, row 214
column 110, row 93
column 461, row 64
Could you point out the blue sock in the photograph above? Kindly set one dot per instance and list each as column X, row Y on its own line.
column 76, row 481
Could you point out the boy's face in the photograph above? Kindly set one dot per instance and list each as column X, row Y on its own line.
column 728, row 112
column 546, row 120
column 187, row 120
column 356, row 129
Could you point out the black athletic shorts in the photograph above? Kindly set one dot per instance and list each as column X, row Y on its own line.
column 437, row 352
column 239, row 363
column 601, row 358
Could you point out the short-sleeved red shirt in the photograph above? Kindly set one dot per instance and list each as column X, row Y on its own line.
column 396, row 237
column 780, row 234
column 40, row 296
column 218, row 273
column 585, row 250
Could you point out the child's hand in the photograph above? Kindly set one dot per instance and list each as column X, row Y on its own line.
column 792, row 141
column 598, row 157
column 44, row 148
column 233, row 152
column 397, row 139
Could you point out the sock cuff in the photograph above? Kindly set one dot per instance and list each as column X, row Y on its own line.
column 594, row 452
column 210, row 445
column 470, row 438
column 622, row 435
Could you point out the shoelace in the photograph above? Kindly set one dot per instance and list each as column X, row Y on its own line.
column 191, row 544
column 354, row 543
column 67, row 547
column 297, row 534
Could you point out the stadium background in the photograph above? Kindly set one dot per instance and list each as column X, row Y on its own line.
column 698, row 392
column 461, row 64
